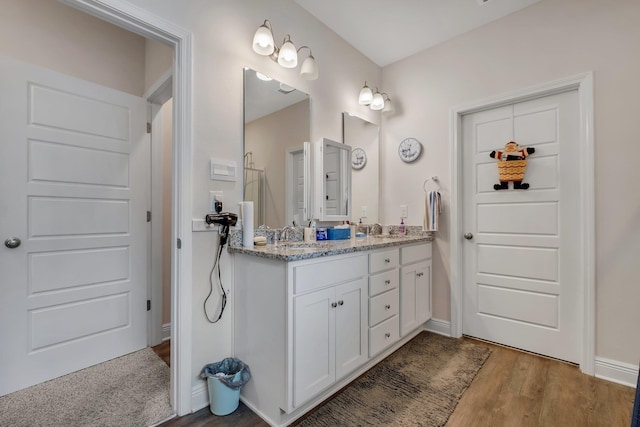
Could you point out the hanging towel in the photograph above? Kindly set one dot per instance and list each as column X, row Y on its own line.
column 432, row 210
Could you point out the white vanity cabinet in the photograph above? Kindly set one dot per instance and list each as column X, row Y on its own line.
column 415, row 287
column 301, row 326
column 329, row 339
column 308, row 327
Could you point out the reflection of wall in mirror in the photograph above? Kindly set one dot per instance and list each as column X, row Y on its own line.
column 268, row 139
column 359, row 133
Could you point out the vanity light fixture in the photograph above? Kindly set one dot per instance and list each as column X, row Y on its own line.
column 286, row 55
column 375, row 100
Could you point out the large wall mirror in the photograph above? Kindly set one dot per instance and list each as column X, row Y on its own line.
column 364, row 139
column 276, row 126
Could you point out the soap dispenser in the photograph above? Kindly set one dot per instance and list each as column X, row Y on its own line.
column 402, row 229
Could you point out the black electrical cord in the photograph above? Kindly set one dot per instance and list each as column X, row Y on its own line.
column 216, row 262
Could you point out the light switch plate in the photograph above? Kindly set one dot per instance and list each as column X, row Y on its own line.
column 364, row 212
column 404, row 211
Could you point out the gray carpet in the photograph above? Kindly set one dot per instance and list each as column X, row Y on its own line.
column 418, row 385
column 132, row 390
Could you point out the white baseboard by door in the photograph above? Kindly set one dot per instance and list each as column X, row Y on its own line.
column 199, row 396
column 437, row 326
column 617, row 372
column 166, row 331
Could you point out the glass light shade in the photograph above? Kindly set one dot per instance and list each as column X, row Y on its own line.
column 263, row 43
column 378, row 102
column 366, row 96
column 288, row 56
column 309, row 68
column 263, row 77
column 388, row 106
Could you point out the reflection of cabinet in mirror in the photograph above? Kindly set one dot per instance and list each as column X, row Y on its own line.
column 332, row 180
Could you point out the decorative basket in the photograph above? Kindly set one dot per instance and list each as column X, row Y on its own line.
column 511, row 170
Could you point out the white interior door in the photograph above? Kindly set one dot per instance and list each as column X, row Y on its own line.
column 521, row 284
column 74, row 170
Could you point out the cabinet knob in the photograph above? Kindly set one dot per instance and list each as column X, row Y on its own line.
column 340, row 302
column 420, row 274
column 387, row 307
column 387, row 335
column 387, row 282
column 387, row 260
column 334, row 305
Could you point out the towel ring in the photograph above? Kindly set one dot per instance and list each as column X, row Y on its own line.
column 435, row 179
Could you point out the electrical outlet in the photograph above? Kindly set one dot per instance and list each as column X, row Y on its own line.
column 404, row 211
column 214, row 196
column 364, row 212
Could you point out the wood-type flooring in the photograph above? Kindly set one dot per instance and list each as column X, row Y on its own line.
column 513, row 389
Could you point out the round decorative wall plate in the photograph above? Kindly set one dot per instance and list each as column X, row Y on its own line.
column 409, row 149
column 358, row 158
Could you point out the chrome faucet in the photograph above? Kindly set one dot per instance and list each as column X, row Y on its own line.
column 284, row 234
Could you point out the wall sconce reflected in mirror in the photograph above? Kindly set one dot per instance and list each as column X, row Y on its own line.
column 375, row 100
column 286, row 55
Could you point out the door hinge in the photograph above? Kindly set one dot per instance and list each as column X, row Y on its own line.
column 148, row 305
column 179, row 244
column 148, row 216
column 148, row 127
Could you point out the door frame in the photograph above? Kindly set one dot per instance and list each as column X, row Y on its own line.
column 583, row 83
column 146, row 24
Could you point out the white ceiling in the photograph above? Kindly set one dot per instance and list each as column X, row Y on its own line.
column 387, row 31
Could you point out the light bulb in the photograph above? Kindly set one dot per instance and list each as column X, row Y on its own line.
column 378, row 102
column 263, row 43
column 366, row 96
column 288, row 55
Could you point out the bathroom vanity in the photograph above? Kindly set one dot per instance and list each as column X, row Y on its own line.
column 312, row 317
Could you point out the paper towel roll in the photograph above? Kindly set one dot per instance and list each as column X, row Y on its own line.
column 247, row 224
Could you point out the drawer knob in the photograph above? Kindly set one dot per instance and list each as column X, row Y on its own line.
column 387, row 260
column 340, row 302
column 334, row 305
column 387, row 335
column 387, row 307
column 387, row 282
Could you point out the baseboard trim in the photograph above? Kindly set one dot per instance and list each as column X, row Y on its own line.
column 437, row 326
column 199, row 396
column 617, row 372
column 166, row 331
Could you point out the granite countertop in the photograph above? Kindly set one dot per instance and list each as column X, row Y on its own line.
column 295, row 251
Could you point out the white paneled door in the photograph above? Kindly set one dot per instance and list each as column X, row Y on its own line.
column 74, row 168
column 522, row 284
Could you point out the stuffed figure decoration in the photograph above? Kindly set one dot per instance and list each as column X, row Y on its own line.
column 512, row 162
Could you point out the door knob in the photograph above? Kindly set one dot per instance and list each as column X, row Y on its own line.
column 468, row 236
column 12, row 242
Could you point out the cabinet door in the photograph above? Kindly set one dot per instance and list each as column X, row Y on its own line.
column 313, row 344
column 351, row 326
column 423, row 281
column 415, row 296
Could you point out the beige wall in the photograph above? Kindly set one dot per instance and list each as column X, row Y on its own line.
column 544, row 42
column 158, row 59
column 265, row 138
column 58, row 37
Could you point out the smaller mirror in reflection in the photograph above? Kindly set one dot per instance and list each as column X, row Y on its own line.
column 364, row 137
column 276, row 126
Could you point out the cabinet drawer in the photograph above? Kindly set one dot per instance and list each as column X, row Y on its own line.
column 384, row 335
column 415, row 253
column 383, row 260
column 383, row 306
column 383, row 282
column 308, row 277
